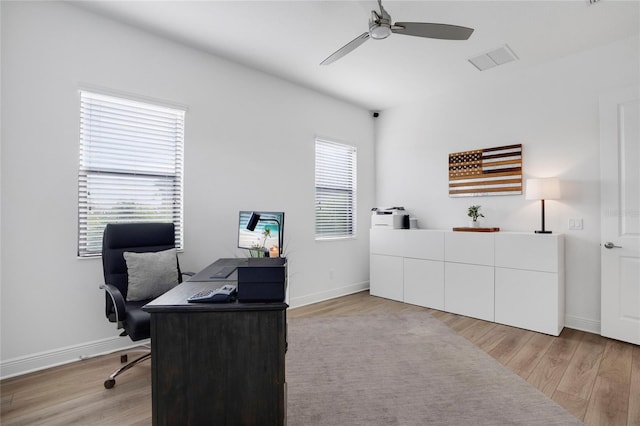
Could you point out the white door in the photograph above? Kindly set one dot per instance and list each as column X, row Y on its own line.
column 620, row 214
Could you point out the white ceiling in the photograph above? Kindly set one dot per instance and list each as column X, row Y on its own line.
column 290, row 38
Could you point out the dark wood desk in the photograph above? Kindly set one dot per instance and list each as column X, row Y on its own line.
column 217, row 364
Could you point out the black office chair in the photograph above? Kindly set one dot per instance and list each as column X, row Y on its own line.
column 137, row 238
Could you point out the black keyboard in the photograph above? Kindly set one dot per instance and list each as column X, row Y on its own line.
column 223, row 272
column 224, row 294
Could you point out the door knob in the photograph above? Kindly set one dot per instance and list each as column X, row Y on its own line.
column 610, row 245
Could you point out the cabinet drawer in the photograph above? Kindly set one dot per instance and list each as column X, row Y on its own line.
column 469, row 290
column 424, row 244
column 469, row 247
column 424, row 283
column 387, row 241
column 534, row 252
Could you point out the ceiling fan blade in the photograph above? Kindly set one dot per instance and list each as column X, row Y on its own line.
column 429, row 30
column 346, row 49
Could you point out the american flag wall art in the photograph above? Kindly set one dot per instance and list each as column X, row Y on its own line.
column 489, row 171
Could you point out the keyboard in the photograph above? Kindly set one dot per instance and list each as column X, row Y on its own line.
column 224, row 294
column 223, row 272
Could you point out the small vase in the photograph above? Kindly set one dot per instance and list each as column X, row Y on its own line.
column 474, row 224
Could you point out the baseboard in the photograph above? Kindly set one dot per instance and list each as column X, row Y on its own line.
column 297, row 302
column 27, row 364
column 39, row 361
column 582, row 324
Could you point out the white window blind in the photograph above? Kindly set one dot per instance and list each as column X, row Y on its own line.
column 335, row 190
column 131, row 166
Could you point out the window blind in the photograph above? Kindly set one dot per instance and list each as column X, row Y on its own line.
column 131, row 166
column 335, row 190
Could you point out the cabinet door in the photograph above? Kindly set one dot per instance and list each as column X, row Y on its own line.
column 386, row 277
column 424, row 283
column 469, row 290
column 529, row 299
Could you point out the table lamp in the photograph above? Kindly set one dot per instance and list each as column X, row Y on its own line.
column 253, row 222
column 543, row 189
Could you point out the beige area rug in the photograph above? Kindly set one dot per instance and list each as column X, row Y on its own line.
column 404, row 369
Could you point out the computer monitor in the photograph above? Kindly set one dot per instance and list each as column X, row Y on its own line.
column 261, row 231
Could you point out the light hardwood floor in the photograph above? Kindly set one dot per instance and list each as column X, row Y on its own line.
column 595, row 378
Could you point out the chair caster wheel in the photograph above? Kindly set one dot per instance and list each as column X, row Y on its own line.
column 109, row 383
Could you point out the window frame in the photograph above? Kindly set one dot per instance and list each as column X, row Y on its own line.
column 130, row 149
column 344, row 181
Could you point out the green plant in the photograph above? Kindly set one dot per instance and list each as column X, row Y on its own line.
column 267, row 234
column 474, row 213
column 257, row 250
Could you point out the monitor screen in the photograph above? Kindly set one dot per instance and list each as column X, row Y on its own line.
column 267, row 236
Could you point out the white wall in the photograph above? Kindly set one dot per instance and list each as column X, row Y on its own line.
column 552, row 110
column 249, row 145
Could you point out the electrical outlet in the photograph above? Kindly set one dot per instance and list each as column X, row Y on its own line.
column 575, row 224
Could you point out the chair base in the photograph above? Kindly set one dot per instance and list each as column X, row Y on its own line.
column 111, row 381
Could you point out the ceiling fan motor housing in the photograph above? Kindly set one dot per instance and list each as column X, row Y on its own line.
column 379, row 28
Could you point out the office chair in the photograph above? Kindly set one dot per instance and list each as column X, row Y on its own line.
column 128, row 314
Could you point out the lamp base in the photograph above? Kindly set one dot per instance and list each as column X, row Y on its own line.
column 543, row 232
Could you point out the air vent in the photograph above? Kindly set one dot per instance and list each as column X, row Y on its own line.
column 495, row 57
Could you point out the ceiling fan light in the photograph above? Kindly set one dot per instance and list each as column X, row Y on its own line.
column 379, row 32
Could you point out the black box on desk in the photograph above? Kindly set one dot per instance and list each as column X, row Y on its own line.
column 263, row 280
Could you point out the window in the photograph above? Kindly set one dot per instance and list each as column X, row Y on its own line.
column 131, row 166
column 335, row 190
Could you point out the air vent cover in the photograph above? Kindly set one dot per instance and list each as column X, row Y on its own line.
column 499, row 56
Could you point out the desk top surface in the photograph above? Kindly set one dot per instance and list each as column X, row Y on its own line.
column 207, row 274
column 176, row 299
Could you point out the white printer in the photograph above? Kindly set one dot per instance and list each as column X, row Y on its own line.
column 392, row 218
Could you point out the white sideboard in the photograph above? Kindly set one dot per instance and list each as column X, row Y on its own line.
column 513, row 278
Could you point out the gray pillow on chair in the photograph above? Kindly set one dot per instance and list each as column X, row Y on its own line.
column 151, row 274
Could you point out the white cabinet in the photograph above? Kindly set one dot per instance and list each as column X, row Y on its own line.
column 423, row 268
column 386, row 277
column 475, row 248
column 424, row 244
column 469, row 281
column 507, row 277
column 534, row 252
column 529, row 299
column 469, row 290
column 411, row 263
column 389, row 242
column 424, row 283
column 529, row 282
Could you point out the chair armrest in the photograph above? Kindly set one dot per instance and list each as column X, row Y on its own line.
column 115, row 311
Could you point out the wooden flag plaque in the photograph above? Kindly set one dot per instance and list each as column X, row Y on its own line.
column 489, row 171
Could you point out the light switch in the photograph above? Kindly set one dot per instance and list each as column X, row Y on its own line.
column 575, row 223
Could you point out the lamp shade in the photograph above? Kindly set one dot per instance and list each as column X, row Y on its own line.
column 543, row 189
column 253, row 221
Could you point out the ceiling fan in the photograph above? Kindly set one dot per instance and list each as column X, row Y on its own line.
column 380, row 27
